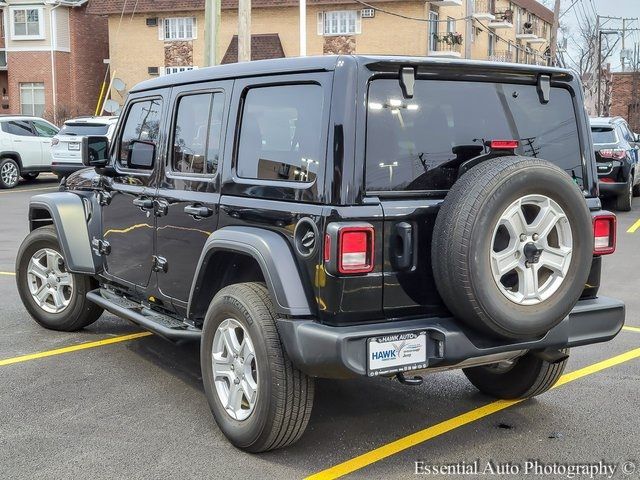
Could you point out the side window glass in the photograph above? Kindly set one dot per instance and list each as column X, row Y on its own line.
column 196, row 140
column 44, row 129
column 18, row 127
column 280, row 133
column 142, row 124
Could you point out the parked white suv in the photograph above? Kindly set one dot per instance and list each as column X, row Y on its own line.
column 66, row 156
column 25, row 148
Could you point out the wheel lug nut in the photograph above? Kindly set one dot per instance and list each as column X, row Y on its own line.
column 236, row 381
column 523, row 237
column 232, row 367
column 535, row 237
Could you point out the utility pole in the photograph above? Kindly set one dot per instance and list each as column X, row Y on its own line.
column 244, row 30
column 303, row 28
column 211, row 29
column 468, row 25
column 624, row 34
column 553, row 47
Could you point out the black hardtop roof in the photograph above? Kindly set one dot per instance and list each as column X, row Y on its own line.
column 330, row 62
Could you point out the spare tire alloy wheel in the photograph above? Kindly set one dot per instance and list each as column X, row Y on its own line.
column 9, row 173
column 531, row 250
column 512, row 247
column 234, row 369
column 50, row 285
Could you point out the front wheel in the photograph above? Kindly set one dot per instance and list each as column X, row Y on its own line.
column 258, row 398
column 55, row 297
column 525, row 377
column 9, row 173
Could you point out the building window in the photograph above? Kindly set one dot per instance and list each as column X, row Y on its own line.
column 433, row 31
column 451, row 25
column 27, row 23
column 170, row 70
column 181, row 28
column 344, row 22
column 492, row 44
column 32, row 99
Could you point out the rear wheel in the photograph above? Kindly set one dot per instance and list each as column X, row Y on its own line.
column 624, row 200
column 9, row 173
column 524, row 377
column 30, row 176
column 512, row 247
column 258, row 398
column 55, row 297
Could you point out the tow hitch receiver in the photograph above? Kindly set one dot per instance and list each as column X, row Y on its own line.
column 551, row 355
column 413, row 381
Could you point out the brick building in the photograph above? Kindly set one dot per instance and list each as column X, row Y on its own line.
column 625, row 97
column 169, row 34
column 51, row 58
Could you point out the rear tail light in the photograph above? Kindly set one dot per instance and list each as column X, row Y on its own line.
column 604, row 234
column 503, row 144
column 55, row 141
column 355, row 250
column 614, row 153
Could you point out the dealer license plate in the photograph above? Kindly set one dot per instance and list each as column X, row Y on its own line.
column 396, row 353
column 74, row 146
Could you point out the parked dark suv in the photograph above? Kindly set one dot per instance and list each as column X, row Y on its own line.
column 336, row 217
column 617, row 157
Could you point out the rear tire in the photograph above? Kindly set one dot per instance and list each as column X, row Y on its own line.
column 528, row 377
column 9, row 173
column 30, row 176
column 623, row 201
column 282, row 394
column 71, row 310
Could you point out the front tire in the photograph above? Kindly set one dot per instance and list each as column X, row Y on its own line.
column 55, row 297
column 9, row 173
column 258, row 398
column 529, row 376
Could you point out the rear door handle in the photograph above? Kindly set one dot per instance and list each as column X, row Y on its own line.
column 199, row 211
column 143, row 203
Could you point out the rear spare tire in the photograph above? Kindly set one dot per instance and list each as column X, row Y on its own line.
column 512, row 246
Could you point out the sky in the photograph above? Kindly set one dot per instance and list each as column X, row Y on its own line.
column 614, row 8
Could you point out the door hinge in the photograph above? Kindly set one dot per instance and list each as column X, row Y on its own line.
column 160, row 264
column 100, row 247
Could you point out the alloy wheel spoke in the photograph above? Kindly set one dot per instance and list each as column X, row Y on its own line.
column 42, row 293
column 235, row 397
column 248, row 390
column 37, row 269
column 529, row 283
column 223, row 370
column 58, row 298
column 546, row 221
column 64, row 279
column 555, row 259
column 505, row 261
column 514, row 221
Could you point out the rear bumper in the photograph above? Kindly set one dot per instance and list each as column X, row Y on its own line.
column 612, row 188
column 341, row 352
column 65, row 168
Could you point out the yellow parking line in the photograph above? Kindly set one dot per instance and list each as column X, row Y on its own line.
column 631, row 329
column 73, row 348
column 7, row 273
column 634, row 227
column 28, row 190
column 414, row 439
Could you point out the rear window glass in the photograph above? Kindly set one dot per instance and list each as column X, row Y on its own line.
column 84, row 129
column 603, row 135
column 419, row 143
column 280, row 135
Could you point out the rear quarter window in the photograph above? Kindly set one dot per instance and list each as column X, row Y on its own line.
column 419, row 143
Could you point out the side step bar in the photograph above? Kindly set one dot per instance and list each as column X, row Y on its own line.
column 151, row 320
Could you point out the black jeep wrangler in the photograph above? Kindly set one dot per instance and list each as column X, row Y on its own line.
column 336, row 217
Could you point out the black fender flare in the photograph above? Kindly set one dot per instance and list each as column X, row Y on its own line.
column 274, row 257
column 68, row 216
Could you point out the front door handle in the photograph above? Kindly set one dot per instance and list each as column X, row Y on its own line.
column 199, row 211
column 143, row 203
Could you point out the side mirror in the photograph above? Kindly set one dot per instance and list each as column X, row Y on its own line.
column 141, row 155
column 637, row 135
column 95, row 151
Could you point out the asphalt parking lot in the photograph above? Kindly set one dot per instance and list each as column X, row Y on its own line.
column 133, row 406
